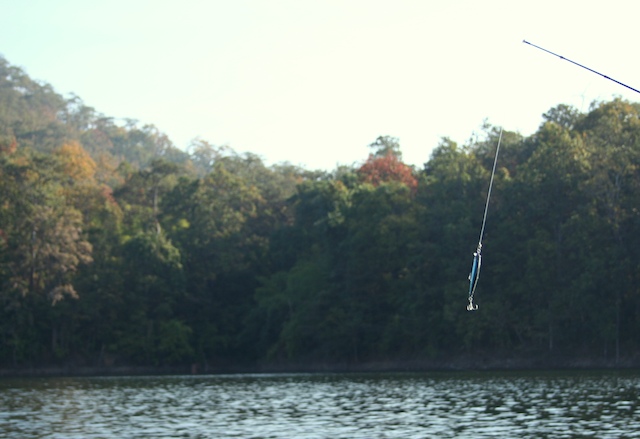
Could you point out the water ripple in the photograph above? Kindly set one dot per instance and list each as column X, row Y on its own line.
column 483, row 405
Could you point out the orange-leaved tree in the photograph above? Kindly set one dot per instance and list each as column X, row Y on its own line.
column 385, row 164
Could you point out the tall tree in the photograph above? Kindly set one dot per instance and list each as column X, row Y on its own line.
column 45, row 236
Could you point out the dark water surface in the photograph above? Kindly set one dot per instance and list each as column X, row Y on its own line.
column 425, row 405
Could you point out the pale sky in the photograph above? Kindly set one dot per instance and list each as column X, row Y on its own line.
column 313, row 82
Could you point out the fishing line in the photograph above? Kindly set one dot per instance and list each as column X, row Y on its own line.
column 580, row 65
column 477, row 256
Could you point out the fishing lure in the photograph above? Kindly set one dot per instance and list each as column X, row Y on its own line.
column 473, row 277
column 477, row 256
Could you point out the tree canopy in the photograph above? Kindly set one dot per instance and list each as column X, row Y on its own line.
column 116, row 248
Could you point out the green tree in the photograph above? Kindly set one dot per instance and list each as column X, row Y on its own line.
column 453, row 193
column 43, row 246
column 386, row 145
column 43, row 234
column 212, row 221
column 154, row 284
column 612, row 132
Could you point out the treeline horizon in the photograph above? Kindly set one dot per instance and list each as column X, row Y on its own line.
column 119, row 249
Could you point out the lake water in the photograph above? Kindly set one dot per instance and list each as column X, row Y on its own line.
column 411, row 405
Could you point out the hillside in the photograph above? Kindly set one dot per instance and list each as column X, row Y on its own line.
column 119, row 251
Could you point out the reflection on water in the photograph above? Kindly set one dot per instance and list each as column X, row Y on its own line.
column 511, row 405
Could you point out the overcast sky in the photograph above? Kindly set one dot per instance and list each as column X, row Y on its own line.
column 315, row 82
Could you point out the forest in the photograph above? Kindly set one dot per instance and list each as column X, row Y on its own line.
column 118, row 249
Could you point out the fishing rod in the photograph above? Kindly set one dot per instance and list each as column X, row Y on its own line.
column 580, row 65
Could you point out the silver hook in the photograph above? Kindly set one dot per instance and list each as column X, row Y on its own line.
column 471, row 306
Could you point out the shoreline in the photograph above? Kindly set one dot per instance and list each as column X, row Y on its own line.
column 460, row 364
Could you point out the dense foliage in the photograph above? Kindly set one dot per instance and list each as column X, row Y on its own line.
column 116, row 248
